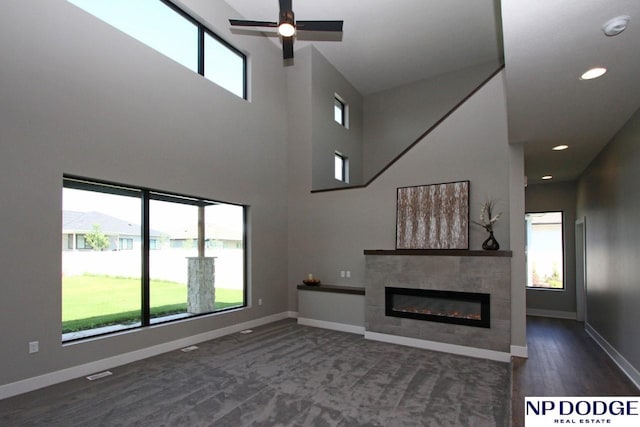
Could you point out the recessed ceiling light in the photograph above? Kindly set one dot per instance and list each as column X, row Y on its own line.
column 560, row 147
column 547, row 177
column 615, row 26
column 593, row 73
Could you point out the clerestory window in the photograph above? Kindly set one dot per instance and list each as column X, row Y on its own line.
column 163, row 26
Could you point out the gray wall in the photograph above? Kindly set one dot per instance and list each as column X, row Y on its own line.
column 381, row 125
column 328, row 231
column 344, row 309
column 395, row 118
column 329, row 136
column 609, row 198
column 548, row 197
column 79, row 97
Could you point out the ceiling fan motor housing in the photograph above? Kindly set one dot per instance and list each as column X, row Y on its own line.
column 286, row 17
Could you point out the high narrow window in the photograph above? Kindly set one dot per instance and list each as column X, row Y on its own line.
column 545, row 266
column 166, row 28
column 340, row 111
column 341, row 167
column 183, row 257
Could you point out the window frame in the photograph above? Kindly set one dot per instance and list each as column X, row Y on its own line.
column 339, row 102
column 562, row 236
column 81, row 237
column 344, row 166
column 146, row 195
column 125, row 243
column 202, row 29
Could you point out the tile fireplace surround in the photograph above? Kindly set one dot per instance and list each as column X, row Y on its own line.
column 448, row 270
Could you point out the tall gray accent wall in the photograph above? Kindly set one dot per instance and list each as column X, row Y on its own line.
column 395, row 118
column 549, row 197
column 328, row 231
column 329, row 136
column 79, row 97
column 381, row 125
column 609, row 199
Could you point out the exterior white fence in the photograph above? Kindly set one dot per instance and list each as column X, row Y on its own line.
column 165, row 264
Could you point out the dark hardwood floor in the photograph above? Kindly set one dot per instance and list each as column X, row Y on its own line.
column 564, row 361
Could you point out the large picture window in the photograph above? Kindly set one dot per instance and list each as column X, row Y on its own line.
column 145, row 257
column 545, row 255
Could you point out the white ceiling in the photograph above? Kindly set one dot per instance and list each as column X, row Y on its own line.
column 388, row 43
column 547, row 45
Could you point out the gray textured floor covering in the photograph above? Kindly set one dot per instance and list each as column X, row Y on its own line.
column 281, row 374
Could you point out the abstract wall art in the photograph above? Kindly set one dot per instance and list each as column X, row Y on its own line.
column 433, row 216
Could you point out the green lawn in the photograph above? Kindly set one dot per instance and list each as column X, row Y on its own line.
column 90, row 301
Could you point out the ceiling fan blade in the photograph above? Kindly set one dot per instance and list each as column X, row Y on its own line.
column 319, row 25
column 243, row 23
column 287, row 47
column 285, row 6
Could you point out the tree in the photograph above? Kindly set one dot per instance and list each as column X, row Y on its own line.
column 97, row 239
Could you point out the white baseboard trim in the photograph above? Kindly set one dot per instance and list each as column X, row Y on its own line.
column 571, row 315
column 292, row 314
column 462, row 350
column 34, row 383
column 626, row 367
column 342, row 327
column 520, row 351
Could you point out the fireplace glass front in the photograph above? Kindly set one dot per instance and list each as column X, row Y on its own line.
column 462, row 308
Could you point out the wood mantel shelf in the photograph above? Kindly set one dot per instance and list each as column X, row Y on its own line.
column 335, row 289
column 437, row 252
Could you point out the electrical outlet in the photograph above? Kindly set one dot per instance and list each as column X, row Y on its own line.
column 348, row 274
column 259, row 301
column 342, row 273
column 34, row 346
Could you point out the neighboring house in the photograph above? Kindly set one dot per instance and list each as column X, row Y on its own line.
column 122, row 234
column 216, row 237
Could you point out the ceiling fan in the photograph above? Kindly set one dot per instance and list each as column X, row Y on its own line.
column 287, row 26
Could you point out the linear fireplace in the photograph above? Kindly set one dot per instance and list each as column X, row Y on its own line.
column 461, row 308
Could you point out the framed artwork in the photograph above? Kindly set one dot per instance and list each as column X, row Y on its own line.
column 433, row 216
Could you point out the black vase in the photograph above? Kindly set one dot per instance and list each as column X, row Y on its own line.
column 491, row 244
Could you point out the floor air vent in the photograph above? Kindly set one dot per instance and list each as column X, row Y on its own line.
column 99, row 375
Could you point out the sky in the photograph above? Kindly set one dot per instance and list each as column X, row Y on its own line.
column 163, row 29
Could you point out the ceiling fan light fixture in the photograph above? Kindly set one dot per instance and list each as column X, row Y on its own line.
column 593, row 73
column 286, row 29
